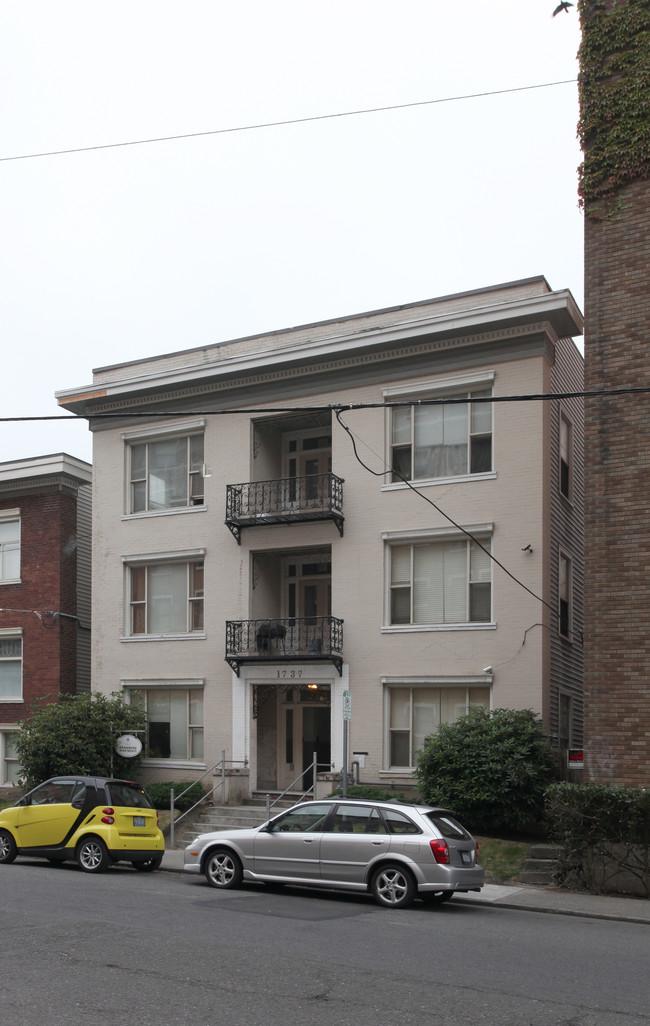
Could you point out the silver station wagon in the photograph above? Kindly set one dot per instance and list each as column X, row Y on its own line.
column 398, row 852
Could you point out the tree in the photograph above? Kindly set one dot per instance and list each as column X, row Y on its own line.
column 77, row 734
column 491, row 768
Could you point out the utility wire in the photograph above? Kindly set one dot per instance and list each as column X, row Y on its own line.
column 334, row 407
column 287, row 121
column 459, row 527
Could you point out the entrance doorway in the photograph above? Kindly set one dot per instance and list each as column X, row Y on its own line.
column 293, row 722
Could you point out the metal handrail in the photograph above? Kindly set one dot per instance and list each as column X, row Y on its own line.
column 220, row 784
column 315, row 764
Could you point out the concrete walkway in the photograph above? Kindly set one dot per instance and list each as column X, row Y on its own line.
column 551, row 900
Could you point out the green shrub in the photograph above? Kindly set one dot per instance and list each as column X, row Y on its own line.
column 376, row 794
column 490, row 767
column 159, row 792
column 76, row 734
column 601, row 832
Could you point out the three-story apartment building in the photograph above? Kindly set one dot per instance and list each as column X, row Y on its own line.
column 343, row 513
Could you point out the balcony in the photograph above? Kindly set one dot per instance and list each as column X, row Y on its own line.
column 313, row 639
column 286, row 500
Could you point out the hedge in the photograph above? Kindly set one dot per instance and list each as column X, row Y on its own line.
column 603, row 834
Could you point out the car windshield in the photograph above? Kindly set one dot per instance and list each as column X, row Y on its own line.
column 448, row 826
column 129, row 795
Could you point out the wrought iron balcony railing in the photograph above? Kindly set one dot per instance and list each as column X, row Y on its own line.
column 284, row 501
column 290, row 639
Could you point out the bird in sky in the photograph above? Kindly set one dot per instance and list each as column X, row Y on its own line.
column 563, row 6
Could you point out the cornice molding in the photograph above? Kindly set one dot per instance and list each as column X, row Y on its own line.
column 400, row 352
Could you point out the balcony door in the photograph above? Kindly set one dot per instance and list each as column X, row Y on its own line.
column 307, row 454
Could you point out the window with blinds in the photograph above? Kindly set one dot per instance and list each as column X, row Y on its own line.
column 441, row 582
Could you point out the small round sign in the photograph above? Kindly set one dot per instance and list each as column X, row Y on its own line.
column 128, row 746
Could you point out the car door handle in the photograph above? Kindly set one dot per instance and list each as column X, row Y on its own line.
column 377, row 843
column 307, row 840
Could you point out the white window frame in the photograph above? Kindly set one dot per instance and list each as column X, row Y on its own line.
column 462, row 685
column 452, row 388
column 10, row 516
column 168, row 432
column 482, row 532
column 192, row 729
column 7, row 777
column 9, row 634
column 566, row 457
column 565, row 594
column 187, row 558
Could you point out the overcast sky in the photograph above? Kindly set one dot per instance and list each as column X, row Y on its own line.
column 115, row 254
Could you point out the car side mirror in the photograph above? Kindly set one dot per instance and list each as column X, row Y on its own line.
column 25, row 800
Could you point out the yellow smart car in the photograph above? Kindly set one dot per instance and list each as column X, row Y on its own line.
column 90, row 820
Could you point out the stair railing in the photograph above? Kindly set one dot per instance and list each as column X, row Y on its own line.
column 221, row 783
column 314, row 773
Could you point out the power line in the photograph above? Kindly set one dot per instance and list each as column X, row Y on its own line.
column 334, row 407
column 288, row 121
column 459, row 527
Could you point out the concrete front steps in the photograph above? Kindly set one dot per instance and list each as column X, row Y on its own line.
column 226, row 817
column 538, row 868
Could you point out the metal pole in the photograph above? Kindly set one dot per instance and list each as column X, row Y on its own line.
column 345, row 758
column 171, row 825
column 223, row 777
column 268, row 806
column 315, row 773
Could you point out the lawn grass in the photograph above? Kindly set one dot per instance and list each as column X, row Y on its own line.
column 502, row 860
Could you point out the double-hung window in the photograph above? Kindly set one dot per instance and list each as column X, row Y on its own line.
column 413, row 713
column 564, row 588
column 166, row 598
column 11, row 665
column 9, row 546
column 165, row 469
column 450, row 439
column 566, row 457
column 440, row 582
column 174, row 716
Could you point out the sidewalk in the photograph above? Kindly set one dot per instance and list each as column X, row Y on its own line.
column 551, row 900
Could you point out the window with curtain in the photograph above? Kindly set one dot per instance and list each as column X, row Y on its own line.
column 166, row 473
column 11, row 666
column 174, row 721
column 414, row 713
column 441, row 582
column 166, row 598
column 10, row 549
column 449, row 440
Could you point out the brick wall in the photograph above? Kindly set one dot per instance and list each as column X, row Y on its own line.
column 617, row 484
column 48, row 571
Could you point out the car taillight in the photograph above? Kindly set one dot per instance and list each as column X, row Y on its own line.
column 158, row 821
column 108, row 819
column 108, row 812
column 476, row 855
column 440, row 851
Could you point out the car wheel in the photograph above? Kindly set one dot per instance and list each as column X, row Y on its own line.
column 8, row 850
column 393, row 886
column 149, row 865
column 436, row 897
column 223, row 869
column 92, row 855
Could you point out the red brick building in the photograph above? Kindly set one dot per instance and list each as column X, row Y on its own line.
column 45, row 522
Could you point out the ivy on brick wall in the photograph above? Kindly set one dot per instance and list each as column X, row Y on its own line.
column 614, row 80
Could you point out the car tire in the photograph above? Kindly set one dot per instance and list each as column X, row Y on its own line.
column 222, row 869
column 436, row 897
column 92, row 855
column 393, row 886
column 8, row 849
column 149, row 865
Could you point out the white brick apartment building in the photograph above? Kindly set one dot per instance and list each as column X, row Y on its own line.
column 248, row 569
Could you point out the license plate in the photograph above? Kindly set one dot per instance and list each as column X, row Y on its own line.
column 138, row 821
column 466, row 856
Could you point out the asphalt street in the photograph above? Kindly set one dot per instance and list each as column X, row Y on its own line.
column 126, row 947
